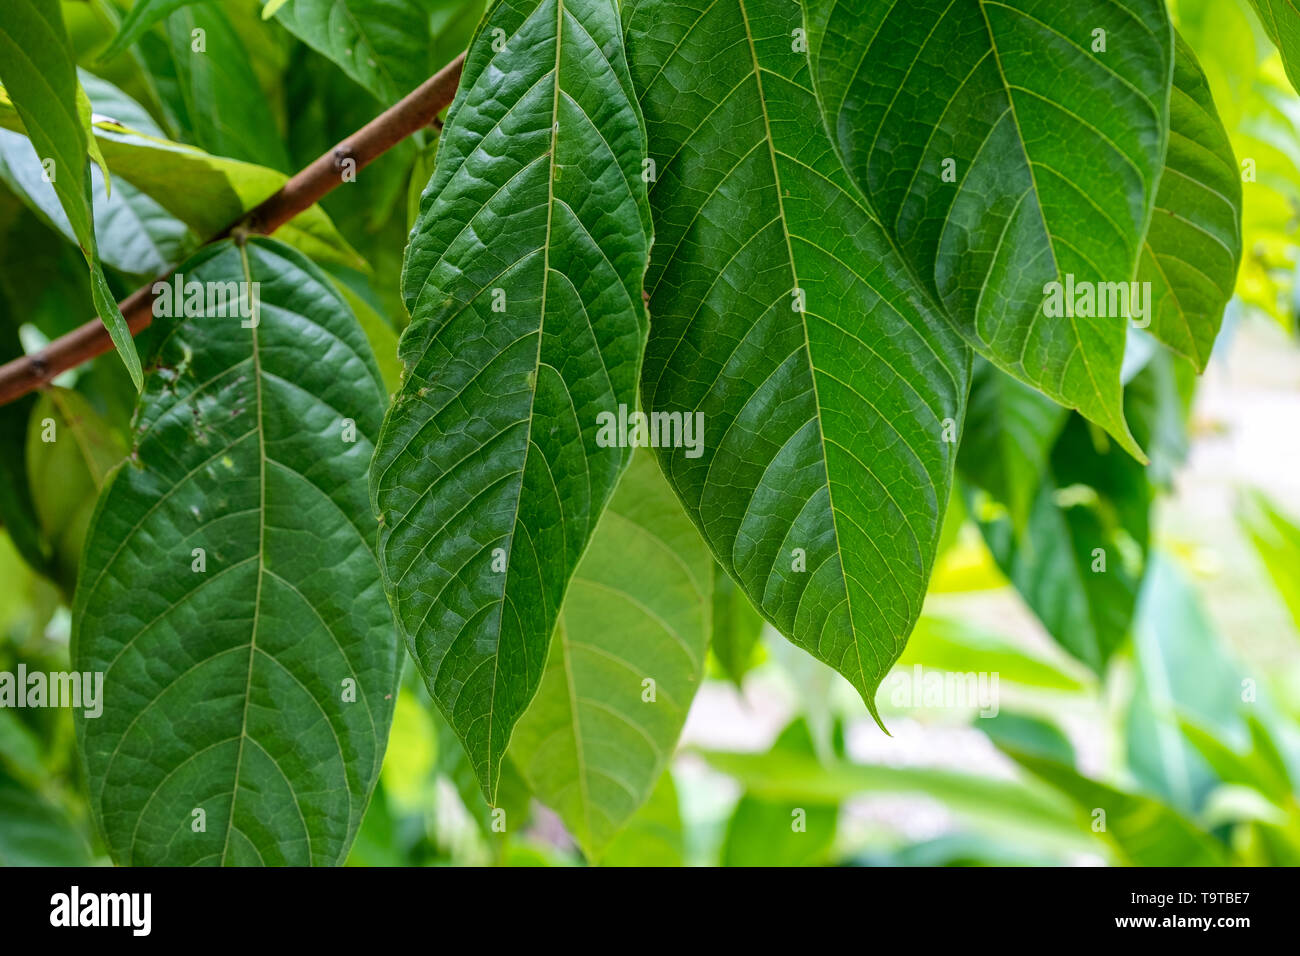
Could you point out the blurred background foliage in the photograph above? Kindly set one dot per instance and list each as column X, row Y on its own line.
column 1107, row 669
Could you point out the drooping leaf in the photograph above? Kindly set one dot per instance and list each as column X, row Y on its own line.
column 382, row 44
column 1193, row 247
column 225, row 102
column 523, row 281
column 230, row 594
column 787, row 326
column 39, row 73
column 625, row 662
column 1078, row 561
column 1009, row 145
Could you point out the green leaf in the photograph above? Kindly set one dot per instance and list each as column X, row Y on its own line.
column 134, row 233
column 39, row 73
column 1005, row 151
column 1193, row 246
column 382, row 44
column 1183, row 673
column 523, row 281
column 737, row 627
column 34, row 831
column 1256, row 768
column 70, row 452
column 961, row 647
column 255, row 686
column 1079, row 560
column 822, row 476
column 1010, row 430
column 653, row 837
column 764, row 832
column 142, row 15
column 1282, row 24
column 597, row 736
column 1276, row 538
column 225, row 103
column 1143, row 831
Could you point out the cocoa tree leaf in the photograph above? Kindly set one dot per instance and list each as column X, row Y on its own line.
column 229, row 592
column 523, row 281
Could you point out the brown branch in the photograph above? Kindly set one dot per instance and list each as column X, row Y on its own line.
column 419, row 109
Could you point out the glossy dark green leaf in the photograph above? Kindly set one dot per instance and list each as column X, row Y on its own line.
column 828, row 390
column 1193, row 246
column 39, row 73
column 523, row 280
column 1008, row 145
column 625, row 662
column 230, row 593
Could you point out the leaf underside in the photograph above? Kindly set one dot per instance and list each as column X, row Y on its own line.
column 597, row 737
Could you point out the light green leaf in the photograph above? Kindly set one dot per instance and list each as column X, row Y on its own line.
column 218, row 191
column 251, row 679
column 134, row 233
column 39, row 73
column 1005, row 150
column 1193, row 246
column 597, row 735
column 766, row 832
column 1183, row 673
column 1282, row 24
column 523, row 281
column 1276, row 538
column 653, row 837
column 1143, row 831
column 789, row 332
column 70, row 452
column 960, row 647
